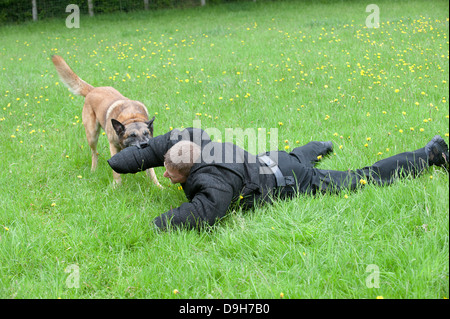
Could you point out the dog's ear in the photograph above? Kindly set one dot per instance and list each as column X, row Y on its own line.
column 150, row 125
column 118, row 127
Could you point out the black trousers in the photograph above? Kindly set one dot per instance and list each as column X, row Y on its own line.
column 384, row 172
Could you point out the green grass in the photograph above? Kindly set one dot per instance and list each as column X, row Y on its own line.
column 313, row 71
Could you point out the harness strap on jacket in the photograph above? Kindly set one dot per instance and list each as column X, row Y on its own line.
column 281, row 180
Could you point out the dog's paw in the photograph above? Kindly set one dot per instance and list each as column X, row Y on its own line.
column 116, row 184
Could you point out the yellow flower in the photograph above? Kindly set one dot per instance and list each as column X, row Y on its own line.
column 53, row 204
column 362, row 181
column 345, row 196
column 281, row 295
column 319, row 157
column 176, row 292
column 380, row 297
column 6, row 228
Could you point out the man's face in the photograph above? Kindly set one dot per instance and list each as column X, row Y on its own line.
column 174, row 175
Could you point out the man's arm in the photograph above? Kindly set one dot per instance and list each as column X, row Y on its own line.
column 134, row 159
column 209, row 204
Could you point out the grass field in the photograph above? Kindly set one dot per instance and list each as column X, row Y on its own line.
column 305, row 70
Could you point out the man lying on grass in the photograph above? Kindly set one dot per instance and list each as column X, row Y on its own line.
column 215, row 176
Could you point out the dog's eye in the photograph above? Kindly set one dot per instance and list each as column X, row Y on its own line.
column 146, row 133
column 132, row 135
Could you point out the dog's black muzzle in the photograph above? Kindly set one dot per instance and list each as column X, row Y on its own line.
column 142, row 145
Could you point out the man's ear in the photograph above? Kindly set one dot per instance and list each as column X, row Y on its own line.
column 118, row 127
column 150, row 125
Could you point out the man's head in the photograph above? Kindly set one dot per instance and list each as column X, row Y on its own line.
column 179, row 160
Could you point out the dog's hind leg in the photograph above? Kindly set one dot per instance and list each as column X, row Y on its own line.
column 92, row 128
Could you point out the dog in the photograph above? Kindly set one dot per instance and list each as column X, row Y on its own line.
column 125, row 122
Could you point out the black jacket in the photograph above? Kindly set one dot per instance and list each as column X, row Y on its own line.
column 226, row 175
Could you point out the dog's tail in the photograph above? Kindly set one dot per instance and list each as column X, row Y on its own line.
column 71, row 80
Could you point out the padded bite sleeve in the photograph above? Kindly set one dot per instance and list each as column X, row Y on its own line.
column 134, row 159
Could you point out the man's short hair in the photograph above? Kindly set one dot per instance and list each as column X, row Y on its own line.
column 182, row 156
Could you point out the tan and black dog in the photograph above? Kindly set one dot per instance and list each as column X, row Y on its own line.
column 124, row 121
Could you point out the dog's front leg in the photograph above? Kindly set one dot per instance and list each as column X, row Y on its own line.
column 151, row 173
column 117, row 179
column 116, row 176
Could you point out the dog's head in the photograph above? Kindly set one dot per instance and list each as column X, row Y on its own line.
column 137, row 133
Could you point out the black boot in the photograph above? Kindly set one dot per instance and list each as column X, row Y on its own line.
column 328, row 146
column 437, row 152
column 310, row 153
